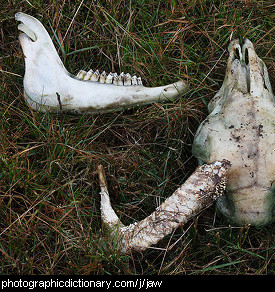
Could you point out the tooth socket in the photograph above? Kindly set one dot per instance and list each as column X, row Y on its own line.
column 111, row 78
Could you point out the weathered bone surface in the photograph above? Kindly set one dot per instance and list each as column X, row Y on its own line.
column 199, row 191
column 241, row 128
column 48, row 86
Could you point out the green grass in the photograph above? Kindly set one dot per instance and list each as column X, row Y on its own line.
column 49, row 192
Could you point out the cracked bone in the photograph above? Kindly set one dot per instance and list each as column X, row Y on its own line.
column 47, row 83
column 240, row 127
column 199, row 191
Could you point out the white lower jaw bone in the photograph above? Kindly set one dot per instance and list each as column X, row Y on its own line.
column 48, row 86
column 199, row 191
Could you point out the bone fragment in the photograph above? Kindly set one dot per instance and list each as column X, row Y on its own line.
column 199, row 191
column 45, row 77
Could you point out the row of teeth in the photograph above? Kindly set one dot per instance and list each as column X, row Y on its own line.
column 112, row 78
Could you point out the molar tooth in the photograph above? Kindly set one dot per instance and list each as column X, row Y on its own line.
column 81, row 74
column 139, row 81
column 127, row 80
column 134, row 80
column 115, row 80
column 109, row 78
column 102, row 78
column 121, row 78
column 89, row 75
column 95, row 76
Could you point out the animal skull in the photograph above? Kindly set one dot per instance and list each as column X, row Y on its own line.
column 49, row 86
column 240, row 128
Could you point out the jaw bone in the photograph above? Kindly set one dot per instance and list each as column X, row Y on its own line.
column 48, row 86
column 199, row 191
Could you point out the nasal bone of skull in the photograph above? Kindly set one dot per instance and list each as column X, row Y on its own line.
column 251, row 65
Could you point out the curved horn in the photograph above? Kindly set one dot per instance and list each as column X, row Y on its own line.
column 199, row 191
column 49, row 86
